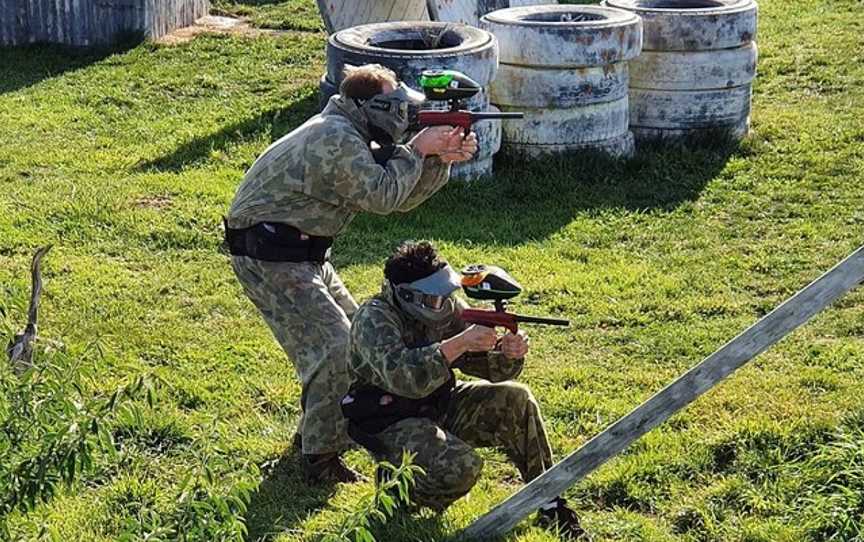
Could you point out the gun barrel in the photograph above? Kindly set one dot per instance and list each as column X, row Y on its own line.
column 485, row 115
column 539, row 320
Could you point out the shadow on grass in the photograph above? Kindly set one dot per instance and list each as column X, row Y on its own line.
column 528, row 201
column 283, row 500
column 277, row 122
column 25, row 66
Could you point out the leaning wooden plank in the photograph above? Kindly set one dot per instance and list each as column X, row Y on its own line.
column 794, row 312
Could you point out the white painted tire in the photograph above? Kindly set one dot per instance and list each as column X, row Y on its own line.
column 693, row 25
column 341, row 14
column 473, row 170
column 738, row 130
column 539, row 88
column 489, row 135
column 469, row 50
column 575, row 126
column 622, row 146
column 565, row 36
column 688, row 110
column 470, row 11
column 701, row 70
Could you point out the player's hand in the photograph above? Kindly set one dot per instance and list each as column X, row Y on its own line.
column 514, row 346
column 479, row 338
column 466, row 151
column 438, row 140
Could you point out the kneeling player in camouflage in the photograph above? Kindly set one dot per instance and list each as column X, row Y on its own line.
column 405, row 343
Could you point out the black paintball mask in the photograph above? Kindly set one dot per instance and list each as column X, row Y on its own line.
column 388, row 115
column 430, row 299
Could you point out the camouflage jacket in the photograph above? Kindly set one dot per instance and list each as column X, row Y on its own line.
column 399, row 354
column 319, row 176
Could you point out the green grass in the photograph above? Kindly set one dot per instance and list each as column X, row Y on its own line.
column 277, row 14
column 127, row 160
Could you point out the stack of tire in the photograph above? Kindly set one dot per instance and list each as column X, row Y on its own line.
column 696, row 70
column 408, row 48
column 566, row 68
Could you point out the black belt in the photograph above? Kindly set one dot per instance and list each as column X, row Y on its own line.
column 274, row 242
column 370, row 410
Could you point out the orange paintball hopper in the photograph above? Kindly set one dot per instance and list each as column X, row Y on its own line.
column 489, row 283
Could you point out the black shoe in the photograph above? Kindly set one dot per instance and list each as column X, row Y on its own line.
column 563, row 519
column 328, row 468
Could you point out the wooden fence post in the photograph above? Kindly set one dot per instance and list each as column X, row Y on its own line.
column 794, row 312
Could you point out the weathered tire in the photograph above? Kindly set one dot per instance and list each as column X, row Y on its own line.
column 563, row 66
column 574, row 126
column 542, row 87
column 470, row 11
column 488, row 136
column 405, row 48
column 701, row 70
column 622, row 146
column 693, row 25
column 543, row 36
column 687, row 110
column 470, row 171
column 738, row 130
column 326, row 90
column 341, row 14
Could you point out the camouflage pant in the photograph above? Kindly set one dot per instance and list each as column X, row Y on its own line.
column 308, row 309
column 480, row 414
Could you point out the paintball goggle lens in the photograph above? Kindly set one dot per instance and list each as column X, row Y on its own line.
column 432, row 302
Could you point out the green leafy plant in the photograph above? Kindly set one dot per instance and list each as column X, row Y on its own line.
column 52, row 428
column 392, row 491
column 204, row 511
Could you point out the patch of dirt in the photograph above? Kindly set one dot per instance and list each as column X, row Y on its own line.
column 158, row 202
column 214, row 24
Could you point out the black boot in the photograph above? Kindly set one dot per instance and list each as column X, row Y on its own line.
column 328, row 468
column 561, row 518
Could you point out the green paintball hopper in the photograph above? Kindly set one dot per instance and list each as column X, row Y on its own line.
column 447, row 85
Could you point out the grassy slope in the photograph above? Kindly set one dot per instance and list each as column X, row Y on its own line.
column 126, row 162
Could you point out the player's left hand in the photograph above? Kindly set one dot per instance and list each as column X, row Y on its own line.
column 514, row 346
column 467, row 147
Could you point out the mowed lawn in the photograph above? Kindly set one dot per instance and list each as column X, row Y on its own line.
column 126, row 161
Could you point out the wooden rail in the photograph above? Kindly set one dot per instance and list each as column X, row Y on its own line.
column 794, row 312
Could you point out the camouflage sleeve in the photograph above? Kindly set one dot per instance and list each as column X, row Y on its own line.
column 435, row 175
column 380, row 189
column 381, row 357
column 491, row 366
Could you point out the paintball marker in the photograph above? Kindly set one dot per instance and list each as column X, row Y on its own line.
column 495, row 284
column 453, row 87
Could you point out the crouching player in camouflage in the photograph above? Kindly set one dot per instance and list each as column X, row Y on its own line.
column 405, row 344
column 301, row 193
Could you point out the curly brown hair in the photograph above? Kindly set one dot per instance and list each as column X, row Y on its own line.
column 413, row 260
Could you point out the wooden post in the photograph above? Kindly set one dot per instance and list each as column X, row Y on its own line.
column 794, row 312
